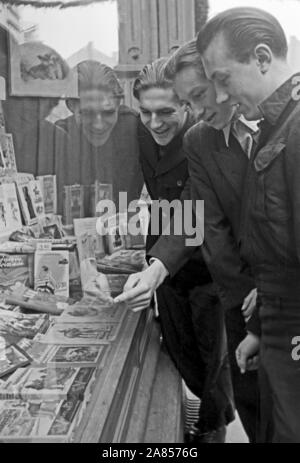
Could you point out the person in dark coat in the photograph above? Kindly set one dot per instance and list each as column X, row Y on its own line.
column 102, row 136
column 189, row 310
column 217, row 165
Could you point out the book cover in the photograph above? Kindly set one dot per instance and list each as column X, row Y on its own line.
column 15, row 268
column 80, row 333
column 49, row 188
column 100, row 192
column 51, row 272
column 12, row 357
column 46, row 383
column 36, row 194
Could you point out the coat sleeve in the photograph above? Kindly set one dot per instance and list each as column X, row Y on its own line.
column 219, row 249
column 171, row 249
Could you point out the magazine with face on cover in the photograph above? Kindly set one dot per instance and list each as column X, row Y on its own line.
column 51, row 272
column 12, row 357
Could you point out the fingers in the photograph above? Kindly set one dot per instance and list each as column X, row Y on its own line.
column 241, row 359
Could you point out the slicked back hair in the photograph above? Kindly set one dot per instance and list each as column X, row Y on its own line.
column 185, row 56
column 93, row 75
column 152, row 76
column 243, row 29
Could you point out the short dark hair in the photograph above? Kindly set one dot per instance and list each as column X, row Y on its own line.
column 94, row 75
column 152, row 76
column 244, row 28
column 186, row 56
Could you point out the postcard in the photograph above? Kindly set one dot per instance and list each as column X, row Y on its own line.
column 36, row 195
column 81, row 333
column 49, row 188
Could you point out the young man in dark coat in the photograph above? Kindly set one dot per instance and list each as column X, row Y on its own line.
column 190, row 313
column 217, row 165
column 244, row 52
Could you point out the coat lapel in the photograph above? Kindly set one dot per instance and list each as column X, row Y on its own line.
column 232, row 162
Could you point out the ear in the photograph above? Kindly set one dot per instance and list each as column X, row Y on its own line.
column 264, row 57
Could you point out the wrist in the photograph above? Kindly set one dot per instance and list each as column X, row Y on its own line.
column 158, row 270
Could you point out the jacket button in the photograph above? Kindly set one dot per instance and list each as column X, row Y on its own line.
column 179, row 182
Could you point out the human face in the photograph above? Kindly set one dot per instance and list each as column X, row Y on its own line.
column 237, row 83
column 98, row 115
column 162, row 114
column 192, row 86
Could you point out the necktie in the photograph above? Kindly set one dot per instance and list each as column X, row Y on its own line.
column 244, row 135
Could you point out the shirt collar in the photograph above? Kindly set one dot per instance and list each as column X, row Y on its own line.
column 251, row 125
column 273, row 106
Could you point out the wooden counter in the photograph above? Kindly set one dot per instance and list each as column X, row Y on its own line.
column 137, row 397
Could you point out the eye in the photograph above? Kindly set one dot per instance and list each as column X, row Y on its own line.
column 144, row 111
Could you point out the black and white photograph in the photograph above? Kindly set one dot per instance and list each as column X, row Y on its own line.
column 150, row 196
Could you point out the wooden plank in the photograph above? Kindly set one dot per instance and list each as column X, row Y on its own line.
column 139, row 415
column 166, row 417
column 107, row 386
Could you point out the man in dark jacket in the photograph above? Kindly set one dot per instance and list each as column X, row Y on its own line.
column 217, row 166
column 245, row 54
column 190, row 313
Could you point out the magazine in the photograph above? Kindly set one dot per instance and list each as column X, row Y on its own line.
column 80, row 333
column 90, row 310
column 26, row 200
column 35, row 383
column 12, row 357
column 8, row 152
column 48, row 185
column 88, row 225
column 78, row 355
column 38, row 421
column 73, row 203
column 15, row 325
column 37, row 198
column 51, row 272
column 15, row 268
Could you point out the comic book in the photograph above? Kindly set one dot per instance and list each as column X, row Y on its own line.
column 60, row 355
column 46, row 383
column 88, row 225
column 38, row 421
column 100, row 192
column 51, row 272
column 49, row 188
column 80, row 333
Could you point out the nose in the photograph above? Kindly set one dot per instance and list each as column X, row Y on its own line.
column 98, row 122
column 155, row 122
column 197, row 112
column 221, row 95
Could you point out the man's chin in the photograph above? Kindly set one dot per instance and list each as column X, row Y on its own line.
column 162, row 140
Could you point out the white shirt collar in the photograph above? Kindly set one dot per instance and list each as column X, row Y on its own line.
column 252, row 125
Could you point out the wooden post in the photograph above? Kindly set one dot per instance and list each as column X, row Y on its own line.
column 150, row 29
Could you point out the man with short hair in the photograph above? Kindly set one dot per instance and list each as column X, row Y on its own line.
column 217, row 165
column 244, row 53
column 189, row 310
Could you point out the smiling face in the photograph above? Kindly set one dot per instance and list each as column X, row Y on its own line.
column 242, row 84
column 192, row 87
column 98, row 114
column 162, row 113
